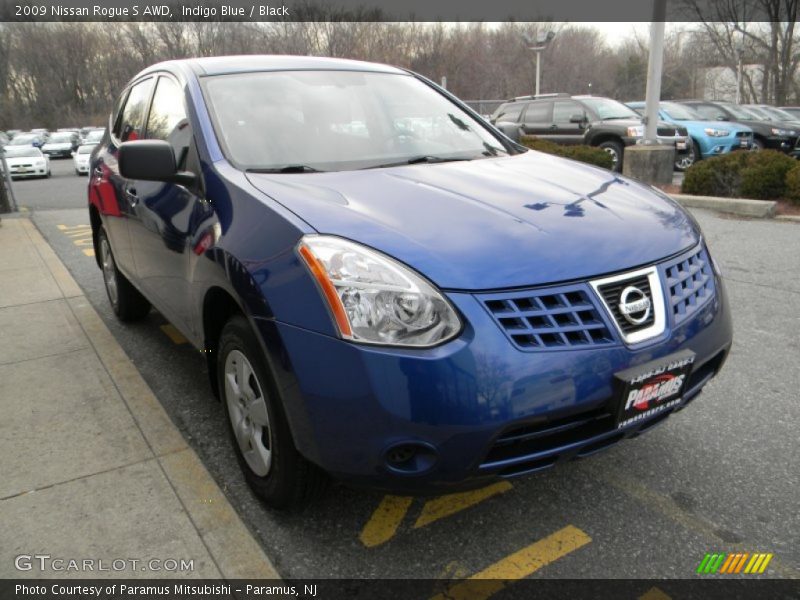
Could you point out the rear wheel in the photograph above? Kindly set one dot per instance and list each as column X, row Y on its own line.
column 260, row 433
column 126, row 301
column 756, row 145
column 614, row 149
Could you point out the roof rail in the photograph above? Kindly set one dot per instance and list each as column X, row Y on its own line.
column 537, row 96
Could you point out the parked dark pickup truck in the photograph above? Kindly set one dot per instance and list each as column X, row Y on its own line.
column 591, row 120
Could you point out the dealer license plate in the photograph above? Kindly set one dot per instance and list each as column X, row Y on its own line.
column 651, row 388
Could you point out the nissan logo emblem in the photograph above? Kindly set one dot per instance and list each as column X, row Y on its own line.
column 634, row 305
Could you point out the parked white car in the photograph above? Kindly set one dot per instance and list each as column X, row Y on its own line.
column 81, row 158
column 26, row 161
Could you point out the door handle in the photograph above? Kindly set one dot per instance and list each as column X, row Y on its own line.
column 133, row 198
column 553, row 126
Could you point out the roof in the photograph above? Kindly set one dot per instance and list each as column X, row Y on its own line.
column 224, row 65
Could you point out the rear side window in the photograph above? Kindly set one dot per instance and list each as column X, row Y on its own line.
column 509, row 112
column 168, row 121
column 131, row 125
column 538, row 112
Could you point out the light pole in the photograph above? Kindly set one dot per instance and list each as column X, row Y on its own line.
column 542, row 39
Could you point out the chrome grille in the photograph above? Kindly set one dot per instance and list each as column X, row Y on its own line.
column 611, row 294
column 549, row 319
column 690, row 284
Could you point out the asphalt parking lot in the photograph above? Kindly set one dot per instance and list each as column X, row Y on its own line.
column 721, row 476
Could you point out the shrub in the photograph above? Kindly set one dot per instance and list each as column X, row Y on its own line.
column 793, row 184
column 717, row 176
column 764, row 176
column 581, row 153
column 759, row 175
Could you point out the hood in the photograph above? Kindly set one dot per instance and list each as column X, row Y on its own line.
column 494, row 223
column 730, row 125
column 23, row 160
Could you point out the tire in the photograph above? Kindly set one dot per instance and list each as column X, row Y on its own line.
column 756, row 145
column 687, row 160
column 126, row 301
column 615, row 149
column 259, row 431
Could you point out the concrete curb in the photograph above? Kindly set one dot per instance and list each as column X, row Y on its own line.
column 232, row 546
column 790, row 218
column 744, row 207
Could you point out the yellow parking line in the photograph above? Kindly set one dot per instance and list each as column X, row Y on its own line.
column 521, row 564
column 88, row 251
column 78, row 232
column 444, row 506
column 654, row 594
column 71, row 227
column 173, row 334
column 384, row 522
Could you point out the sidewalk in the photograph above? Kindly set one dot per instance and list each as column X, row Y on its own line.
column 92, row 468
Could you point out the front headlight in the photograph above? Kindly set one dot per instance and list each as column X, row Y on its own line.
column 716, row 132
column 40, row 163
column 637, row 131
column 779, row 131
column 375, row 299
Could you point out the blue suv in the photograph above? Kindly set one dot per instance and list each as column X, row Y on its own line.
column 709, row 138
column 386, row 289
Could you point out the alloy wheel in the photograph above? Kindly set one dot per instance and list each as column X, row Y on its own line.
column 109, row 271
column 247, row 411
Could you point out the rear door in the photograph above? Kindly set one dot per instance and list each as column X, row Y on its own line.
column 538, row 119
column 567, row 132
column 111, row 192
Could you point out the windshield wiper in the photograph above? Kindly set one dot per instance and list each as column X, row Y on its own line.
column 419, row 160
column 285, row 169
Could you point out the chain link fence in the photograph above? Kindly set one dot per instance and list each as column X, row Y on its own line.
column 484, row 107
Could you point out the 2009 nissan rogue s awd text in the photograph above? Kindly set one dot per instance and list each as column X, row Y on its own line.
column 387, row 290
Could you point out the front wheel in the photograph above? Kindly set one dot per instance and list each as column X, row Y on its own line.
column 692, row 155
column 614, row 149
column 266, row 453
column 126, row 301
column 756, row 145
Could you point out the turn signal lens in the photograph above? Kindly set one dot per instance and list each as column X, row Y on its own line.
column 375, row 299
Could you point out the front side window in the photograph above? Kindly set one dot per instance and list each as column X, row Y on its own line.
column 131, row 124
column 608, row 109
column 340, row 120
column 509, row 113
column 564, row 109
column 168, row 121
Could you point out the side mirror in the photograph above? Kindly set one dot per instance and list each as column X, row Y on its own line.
column 577, row 118
column 722, row 118
column 151, row 160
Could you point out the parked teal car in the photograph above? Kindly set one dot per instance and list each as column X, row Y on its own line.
column 709, row 138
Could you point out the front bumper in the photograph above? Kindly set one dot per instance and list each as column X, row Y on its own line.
column 350, row 406
column 34, row 172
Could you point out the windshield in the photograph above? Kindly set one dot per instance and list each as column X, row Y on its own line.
column 60, row 138
column 608, row 109
column 23, row 140
column 340, row 120
column 94, row 136
column 679, row 112
column 86, row 149
column 739, row 112
column 23, row 151
column 777, row 114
